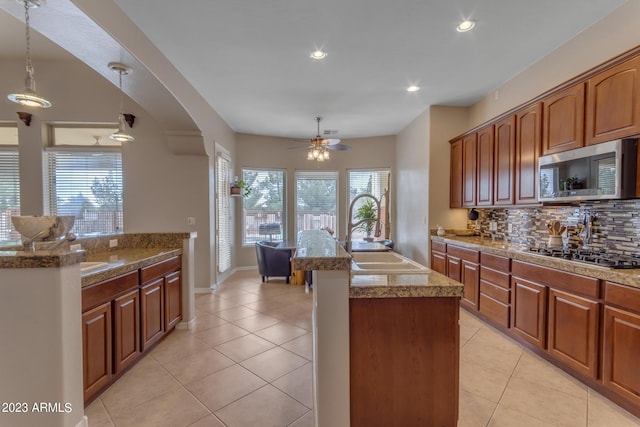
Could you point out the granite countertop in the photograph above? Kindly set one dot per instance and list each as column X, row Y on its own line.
column 317, row 250
column 40, row 259
column 429, row 284
column 629, row 277
column 124, row 261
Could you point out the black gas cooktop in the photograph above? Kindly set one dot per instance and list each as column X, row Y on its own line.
column 600, row 258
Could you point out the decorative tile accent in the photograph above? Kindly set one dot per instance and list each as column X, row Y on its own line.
column 616, row 224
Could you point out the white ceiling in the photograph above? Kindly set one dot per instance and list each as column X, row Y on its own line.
column 250, row 58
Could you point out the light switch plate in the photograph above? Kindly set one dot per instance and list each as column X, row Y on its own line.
column 113, row 243
column 191, row 220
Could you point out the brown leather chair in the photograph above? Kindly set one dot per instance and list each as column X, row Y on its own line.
column 273, row 261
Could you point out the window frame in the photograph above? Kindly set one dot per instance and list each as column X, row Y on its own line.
column 284, row 216
column 330, row 174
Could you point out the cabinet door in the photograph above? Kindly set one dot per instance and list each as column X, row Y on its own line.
column 126, row 330
column 504, row 161
column 469, row 164
column 173, row 300
column 573, row 331
column 484, row 196
column 528, row 139
column 620, row 370
column 563, row 124
column 613, row 103
column 152, row 312
column 439, row 262
column 455, row 195
column 471, row 282
column 96, row 349
column 454, row 268
column 528, row 304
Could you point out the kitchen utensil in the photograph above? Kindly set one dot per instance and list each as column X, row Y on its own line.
column 473, row 214
column 550, row 228
column 556, row 228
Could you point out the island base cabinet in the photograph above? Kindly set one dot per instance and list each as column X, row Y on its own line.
column 173, row 300
column 96, row 349
column 404, row 356
column 621, row 352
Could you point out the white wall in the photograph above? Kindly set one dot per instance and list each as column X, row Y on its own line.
column 161, row 189
column 253, row 151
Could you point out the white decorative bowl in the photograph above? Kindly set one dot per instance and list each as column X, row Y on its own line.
column 42, row 228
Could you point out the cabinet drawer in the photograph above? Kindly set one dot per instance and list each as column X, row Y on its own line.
column 495, row 262
column 582, row 285
column 622, row 296
column 160, row 269
column 496, row 292
column 438, row 246
column 463, row 253
column 495, row 277
column 105, row 291
column 494, row 310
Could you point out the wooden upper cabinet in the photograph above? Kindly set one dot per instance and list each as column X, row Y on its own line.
column 469, row 169
column 484, row 196
column 455, row 195
column 527, row 149
column 504, row 161
column 563, row 126
column 613, row 103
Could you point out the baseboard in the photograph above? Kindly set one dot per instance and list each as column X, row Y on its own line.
column 186, row 325
column 84, row 422
column 202, row 290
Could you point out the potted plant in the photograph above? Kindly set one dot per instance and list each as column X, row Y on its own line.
column 240, row 188
column 367, row 212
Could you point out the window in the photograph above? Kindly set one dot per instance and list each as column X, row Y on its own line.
column 223, row 216
column 9, row 182
column 316, row 201
column 263, row 208
column 374, row 182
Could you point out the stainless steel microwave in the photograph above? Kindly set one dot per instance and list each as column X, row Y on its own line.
column 600, row 171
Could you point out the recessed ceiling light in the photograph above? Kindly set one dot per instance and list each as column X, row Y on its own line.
column 318, row 54
column 413, row 88
column 465, row 26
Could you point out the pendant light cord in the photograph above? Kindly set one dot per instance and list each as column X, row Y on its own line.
column 121, row 95
column 27, row 34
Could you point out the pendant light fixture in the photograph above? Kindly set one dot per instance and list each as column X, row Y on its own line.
column 28, row 97
column 318, row 150
column 121, row 134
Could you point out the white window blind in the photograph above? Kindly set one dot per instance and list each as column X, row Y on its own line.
column 223, row 216
column 9, row 193
column 316, row 200
column 374, row 182
column 263, row 208
column 89, row 186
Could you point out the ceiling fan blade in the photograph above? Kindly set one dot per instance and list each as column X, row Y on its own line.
column 332, row 141
column 339, row 147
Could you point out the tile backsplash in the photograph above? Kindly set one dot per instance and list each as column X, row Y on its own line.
column 616, row 224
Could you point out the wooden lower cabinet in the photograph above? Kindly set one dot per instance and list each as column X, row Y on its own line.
column 471, row 280
column 621, row 348
column 96, row 349
column 126, row 330
column 574, row 324
column 439, row 262
column 529, row 305
column 152, row 310
column 173, row 300
column 122, row 319
column 454, row 268
column 404, row 361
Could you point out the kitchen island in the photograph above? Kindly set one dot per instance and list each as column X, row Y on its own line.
column 385, row 346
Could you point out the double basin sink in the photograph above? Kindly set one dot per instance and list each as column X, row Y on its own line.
column 380, row 263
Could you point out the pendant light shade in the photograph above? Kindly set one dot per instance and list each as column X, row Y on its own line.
column 121, row 134
column 29, row 97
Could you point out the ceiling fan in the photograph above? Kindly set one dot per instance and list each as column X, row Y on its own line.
column 319, row 147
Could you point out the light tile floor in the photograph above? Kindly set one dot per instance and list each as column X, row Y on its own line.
column 247, row 363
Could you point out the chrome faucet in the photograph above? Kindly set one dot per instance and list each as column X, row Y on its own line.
column 351, row 225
